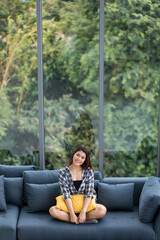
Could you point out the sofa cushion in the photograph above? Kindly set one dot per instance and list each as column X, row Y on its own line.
column 46, row 227
column 14, row 190
column 125, row 225
column 149, row 199
column 116, row 196
column 156, row 224
column 138, row 185
column 8, row 222
column 15, row 171
column 97, row 178
column 40, row 197
column 120, row 225
column 3, row 206
column 40, row 177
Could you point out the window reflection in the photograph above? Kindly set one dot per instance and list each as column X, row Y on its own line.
column 71, row 79
column 131, row 81
column 18, row 84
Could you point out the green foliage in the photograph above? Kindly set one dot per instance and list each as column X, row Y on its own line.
column 132, row 93
column 71, row 83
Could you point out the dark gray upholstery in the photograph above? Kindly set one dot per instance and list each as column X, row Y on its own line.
column 14, row 190
column 157, row 225
column 138, row 185
column 97, row 175
column 8, row 222
column 40, row 197
column 149, row 201
column 18, row 224
column 37, row 226
column 97, row 178
column 3, row 205
column 49, row 176
column 116, row 196
column 39, row 177
column 119, row 225
column 15, row 171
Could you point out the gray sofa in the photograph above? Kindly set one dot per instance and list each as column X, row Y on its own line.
column 29, row 193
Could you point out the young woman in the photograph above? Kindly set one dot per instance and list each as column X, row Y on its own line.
column 78, row 178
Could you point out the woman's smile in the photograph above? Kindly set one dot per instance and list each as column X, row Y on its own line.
column 77, row 161
column 79, row 158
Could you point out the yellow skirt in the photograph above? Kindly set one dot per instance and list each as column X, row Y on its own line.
column 77, row 203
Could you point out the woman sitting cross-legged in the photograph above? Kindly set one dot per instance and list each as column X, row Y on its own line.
column 78, row 178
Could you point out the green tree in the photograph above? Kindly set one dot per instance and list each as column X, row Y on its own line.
column 71, row 82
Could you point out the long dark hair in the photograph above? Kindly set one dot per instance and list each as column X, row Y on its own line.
column 87, row 163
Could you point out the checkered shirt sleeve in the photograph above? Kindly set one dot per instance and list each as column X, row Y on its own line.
column 89, row 187
column 64, row 186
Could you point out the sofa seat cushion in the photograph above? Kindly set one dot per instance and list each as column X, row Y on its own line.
column 114, row 226
column 8, row 222
column 123, row 225
column 41, row 226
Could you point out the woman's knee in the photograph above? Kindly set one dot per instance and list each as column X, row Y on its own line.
column 52, row 211
column 101, row 210
column 104, row 210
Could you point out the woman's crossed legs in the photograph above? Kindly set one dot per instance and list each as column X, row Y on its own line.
column 97, row 213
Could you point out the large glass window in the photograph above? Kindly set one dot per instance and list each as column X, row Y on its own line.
column 71, row 83
column 71, row 79
column 131, row 78
column 18, row 83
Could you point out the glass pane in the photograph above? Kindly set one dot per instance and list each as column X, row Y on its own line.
column 71, row 79
column 18, row 85
column 131, row 81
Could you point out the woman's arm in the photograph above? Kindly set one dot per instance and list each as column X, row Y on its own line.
column 67, row 196
column 82, row 215
column 73, row 217
column 65, row 191
column 86, row 204
column 89, row 187
column 89, row 190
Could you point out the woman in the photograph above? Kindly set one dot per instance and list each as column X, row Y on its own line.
column 78, row 178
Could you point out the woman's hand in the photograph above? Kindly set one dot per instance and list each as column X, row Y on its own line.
column 82, row 217
column 74, row 218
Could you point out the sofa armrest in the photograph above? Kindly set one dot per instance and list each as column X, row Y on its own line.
column 157, row 225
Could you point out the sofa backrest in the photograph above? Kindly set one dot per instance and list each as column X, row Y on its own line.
column 138, row 184
column 49, row 176
column 39, row 177
column 15, row 171
column 97, row 178
column 13, row 182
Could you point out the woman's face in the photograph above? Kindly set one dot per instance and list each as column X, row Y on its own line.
column 78, row 158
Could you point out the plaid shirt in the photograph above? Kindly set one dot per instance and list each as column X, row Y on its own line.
column 67, row 185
